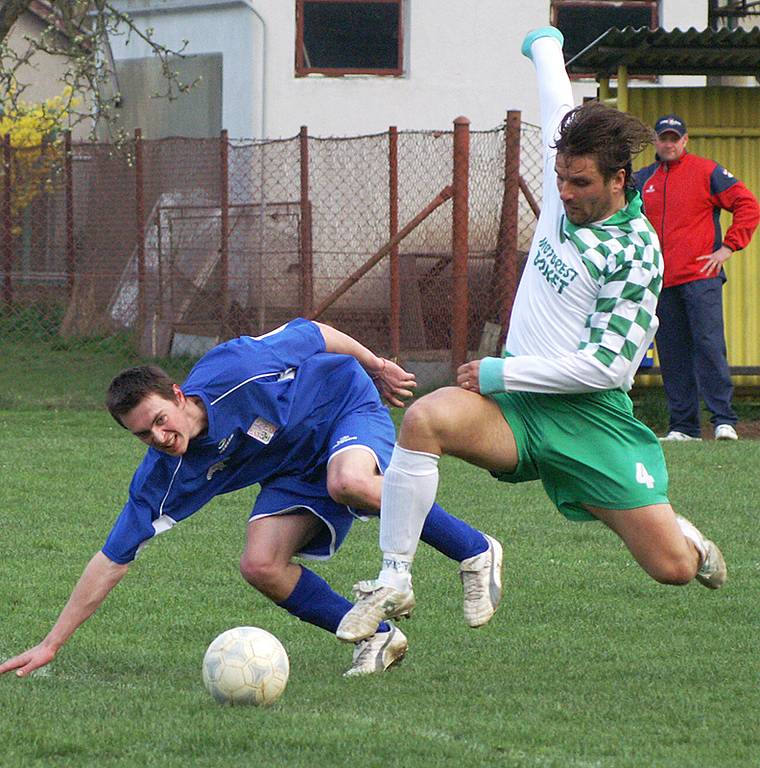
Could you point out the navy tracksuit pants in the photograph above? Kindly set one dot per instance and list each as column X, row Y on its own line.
column 691, row 346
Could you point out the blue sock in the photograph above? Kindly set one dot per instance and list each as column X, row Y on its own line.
column 452, row 536
column 313, row 600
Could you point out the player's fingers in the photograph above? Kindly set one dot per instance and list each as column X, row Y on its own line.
column 14, row 663
column 39, row 658
column 29, row 668
column 399, row 398
column 465, row 378
column 396, row 370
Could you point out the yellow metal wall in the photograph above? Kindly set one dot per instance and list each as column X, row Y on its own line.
column 736, row 112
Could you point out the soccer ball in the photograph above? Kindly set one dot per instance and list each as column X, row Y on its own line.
column 246, row 665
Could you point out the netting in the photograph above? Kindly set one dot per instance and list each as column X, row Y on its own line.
column 180, row 243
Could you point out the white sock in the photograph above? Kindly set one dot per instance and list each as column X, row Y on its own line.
column 554, row 89
column 691, row 532
column 409, row 488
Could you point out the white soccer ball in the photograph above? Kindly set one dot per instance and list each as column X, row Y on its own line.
column 246, row 665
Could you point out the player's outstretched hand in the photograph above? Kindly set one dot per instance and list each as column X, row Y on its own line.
column 28, row 661
column 393, row 383
column 468, row 376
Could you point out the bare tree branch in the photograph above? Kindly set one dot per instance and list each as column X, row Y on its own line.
column 79, row 31
column 9, row 13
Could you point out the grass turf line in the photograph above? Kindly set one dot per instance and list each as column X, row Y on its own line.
column 588, row 662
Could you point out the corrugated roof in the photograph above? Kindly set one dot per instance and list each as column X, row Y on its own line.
column 657, row 52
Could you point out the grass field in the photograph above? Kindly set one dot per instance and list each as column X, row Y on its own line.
column 588, row 664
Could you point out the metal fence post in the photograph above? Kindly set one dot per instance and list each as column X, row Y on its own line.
column 224, row 254
column 459, row 238
column 307, row 266
column 69, row 197
column 7, row 223
column 140, row 234
column 505, row 263
column 395, row 283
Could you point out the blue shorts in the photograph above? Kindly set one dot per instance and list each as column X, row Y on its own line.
column 370, row 430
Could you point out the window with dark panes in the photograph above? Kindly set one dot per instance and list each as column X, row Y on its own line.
column 340, row 37
column 583, row 21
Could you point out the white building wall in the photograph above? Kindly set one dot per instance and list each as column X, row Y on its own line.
column 460, row 58
column 683, row 15
column 44, row 76
column 230, row 28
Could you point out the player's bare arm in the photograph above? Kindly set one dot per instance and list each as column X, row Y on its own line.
column 394, row 383
column 100, row 576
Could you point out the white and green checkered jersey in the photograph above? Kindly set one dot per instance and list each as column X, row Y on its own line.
column 584, row 313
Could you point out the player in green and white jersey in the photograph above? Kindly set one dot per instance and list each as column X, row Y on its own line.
column 555, row 407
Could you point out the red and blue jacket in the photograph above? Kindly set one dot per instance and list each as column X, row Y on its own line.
column 683, row 200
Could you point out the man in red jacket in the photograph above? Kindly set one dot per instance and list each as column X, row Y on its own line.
column 683, row 196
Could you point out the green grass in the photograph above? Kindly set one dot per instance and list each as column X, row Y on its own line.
column 41, row 369
column 588, row 664
column 650, row 406
column 58, row 374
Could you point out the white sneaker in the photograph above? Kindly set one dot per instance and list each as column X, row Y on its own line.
column 675, row 435
column 725, row 432
column 712, row 573
column 374, row 603
column 481, row 579
column 377, row 653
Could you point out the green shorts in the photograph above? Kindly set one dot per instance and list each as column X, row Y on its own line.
column 586, row 449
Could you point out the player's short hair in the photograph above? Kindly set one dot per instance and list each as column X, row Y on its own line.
column 130, row 387
column 610, row 136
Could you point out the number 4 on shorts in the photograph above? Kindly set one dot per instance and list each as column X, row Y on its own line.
column 643, row 477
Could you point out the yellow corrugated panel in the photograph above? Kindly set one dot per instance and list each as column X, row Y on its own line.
column 724, row 124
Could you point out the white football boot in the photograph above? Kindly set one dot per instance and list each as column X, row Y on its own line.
column 481, row 579
column 712, row 572
column 378, row 653
column 374, row 603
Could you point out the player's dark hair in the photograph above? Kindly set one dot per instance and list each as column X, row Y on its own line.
column 129, row 388
column 612, row 137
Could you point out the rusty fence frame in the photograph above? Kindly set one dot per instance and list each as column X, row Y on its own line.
column 505, row 255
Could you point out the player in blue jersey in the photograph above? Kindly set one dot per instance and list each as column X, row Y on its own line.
column 297, row 411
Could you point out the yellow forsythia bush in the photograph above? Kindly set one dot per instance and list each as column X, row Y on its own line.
column 35, row 137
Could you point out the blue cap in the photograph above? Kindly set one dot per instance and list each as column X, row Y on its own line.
column 670, row 123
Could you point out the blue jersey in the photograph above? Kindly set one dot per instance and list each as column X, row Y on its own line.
column 270, row 402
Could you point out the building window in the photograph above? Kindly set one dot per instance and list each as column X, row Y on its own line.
column 342, row 37
column 583, row 21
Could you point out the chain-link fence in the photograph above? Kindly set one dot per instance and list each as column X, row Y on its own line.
column 179, row 243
